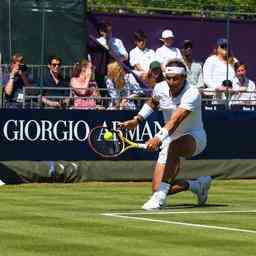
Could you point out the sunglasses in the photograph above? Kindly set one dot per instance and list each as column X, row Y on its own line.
column 223, row 46
column 55, row 64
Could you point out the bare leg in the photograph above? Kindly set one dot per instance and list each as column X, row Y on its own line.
column 185, row 146
column 165, row 174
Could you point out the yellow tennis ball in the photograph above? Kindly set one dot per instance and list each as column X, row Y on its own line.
column 108, row 136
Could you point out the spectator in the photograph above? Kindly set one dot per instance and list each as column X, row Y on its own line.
column 141, row 56
column 1, row 71
column 154, row 76
column 194, row 68
column 83, row 86
column 243, row 87
column 123, row 88
column 217, row 65
column 15, row 81
column 218, row 71
column 167, row 52
column 56, row 95
column 100, row 58
column 113, row 44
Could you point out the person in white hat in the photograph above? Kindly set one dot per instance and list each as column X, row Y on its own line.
column 167, row 52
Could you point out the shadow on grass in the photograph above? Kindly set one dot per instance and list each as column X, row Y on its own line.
column 190, row 206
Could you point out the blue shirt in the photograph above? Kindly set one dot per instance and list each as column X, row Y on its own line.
column 48, row 81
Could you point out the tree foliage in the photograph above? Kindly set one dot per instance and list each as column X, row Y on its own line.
column 245, row 9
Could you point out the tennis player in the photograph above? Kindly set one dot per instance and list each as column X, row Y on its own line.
column 182, row 136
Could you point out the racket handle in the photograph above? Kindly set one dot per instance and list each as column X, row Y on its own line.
column 142, row 145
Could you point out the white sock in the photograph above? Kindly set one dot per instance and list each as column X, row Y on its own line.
column 193, row 185
column 163, row 189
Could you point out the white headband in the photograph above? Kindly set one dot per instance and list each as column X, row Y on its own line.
column 175, row 70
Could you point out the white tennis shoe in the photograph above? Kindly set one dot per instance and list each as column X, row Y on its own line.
column 204, row 184
column 156, row 201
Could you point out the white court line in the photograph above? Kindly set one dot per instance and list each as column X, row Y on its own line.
column 162, row 212
column 123, row 216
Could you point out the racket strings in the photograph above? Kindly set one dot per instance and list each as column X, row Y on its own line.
column 104, row 147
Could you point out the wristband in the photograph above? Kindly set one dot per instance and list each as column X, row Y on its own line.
column 146, row 111
column 162, row 134
column 11, row 77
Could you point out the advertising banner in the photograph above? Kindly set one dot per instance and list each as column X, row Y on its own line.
column 41, row 134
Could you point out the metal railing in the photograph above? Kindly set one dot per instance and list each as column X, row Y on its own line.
column 211, row 100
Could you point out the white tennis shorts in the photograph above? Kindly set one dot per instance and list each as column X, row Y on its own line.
column 199, row 136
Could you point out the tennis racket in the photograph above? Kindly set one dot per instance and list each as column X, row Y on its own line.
column 113, row 147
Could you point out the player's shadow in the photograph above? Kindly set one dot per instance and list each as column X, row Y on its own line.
column 190, row 206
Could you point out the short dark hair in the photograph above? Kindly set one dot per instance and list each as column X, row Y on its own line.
column 139, row 36
column 187, row 44
column 103, row 26
column 54, row 57
column 237, row 65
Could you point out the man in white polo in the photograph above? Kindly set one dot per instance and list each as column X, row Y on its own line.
column 167, row 52
column 141, row 56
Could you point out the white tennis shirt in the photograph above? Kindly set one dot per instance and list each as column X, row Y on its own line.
column 189, row 99
column 164, row 54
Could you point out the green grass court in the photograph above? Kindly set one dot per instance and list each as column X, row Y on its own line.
column 68, row 219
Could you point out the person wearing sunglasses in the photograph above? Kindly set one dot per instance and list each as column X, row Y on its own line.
column 182, row 136
column 194, row 68
column 54, row 98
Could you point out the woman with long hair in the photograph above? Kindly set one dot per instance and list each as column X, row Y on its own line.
column 123, row 87
column 84, row 88
column 219, row 66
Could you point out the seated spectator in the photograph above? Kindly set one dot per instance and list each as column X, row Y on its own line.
column 167, row 52
column 84, row 89
column 15, row 81
column 154, row 76
column 141, row 56
column 123, row 88
column 113, row 44
column 194, row 68
column 243, row 87
column 56, row 96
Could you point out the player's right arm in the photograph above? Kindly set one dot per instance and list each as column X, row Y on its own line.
column 147, row 109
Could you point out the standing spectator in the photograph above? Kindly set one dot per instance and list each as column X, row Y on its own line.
column 54, row 96
column 113, row 44
column 243, row 87
column 218, row 72
column 194, row 68
column 217, row 65
column 167, row 52
column 123, row 88
column 141, row 56
column 83, row 86
column 15, row 81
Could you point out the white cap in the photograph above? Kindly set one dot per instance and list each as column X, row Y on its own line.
column 167, row 33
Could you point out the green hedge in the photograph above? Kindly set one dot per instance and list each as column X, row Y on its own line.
column 215, row 8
